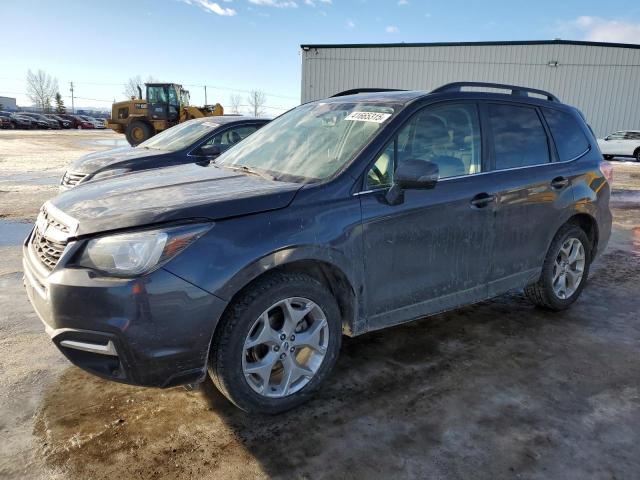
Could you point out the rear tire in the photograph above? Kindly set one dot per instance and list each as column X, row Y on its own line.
column 137, row 132
column 260, row 329
column 547, row 292
column 636, row 154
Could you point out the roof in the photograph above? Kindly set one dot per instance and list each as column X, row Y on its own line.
column 383, row 96
column 472, row 44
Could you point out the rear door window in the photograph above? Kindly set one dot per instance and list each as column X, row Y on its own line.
column 519, row 139
column 568, row 136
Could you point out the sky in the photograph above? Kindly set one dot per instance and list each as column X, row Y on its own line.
column 234, row 46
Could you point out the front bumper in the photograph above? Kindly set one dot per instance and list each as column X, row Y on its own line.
column 152, row 331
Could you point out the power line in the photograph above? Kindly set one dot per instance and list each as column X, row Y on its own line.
column 219, row 87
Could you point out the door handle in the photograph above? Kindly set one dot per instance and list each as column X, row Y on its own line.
column 559, row 182
column 481, row 200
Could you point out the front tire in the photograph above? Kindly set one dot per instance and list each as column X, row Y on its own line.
column 636, row 154
column 276, row 344
column 137, row 132
column 564, row 272
column 607, row 157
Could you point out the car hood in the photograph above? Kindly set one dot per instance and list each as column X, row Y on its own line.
column 97, row 161
column 170, row 194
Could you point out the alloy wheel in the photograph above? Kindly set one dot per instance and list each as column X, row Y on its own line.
column 285, row 347
column 568, row 268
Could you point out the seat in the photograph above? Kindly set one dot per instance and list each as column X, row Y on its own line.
column 234, row 137
column 432, row 143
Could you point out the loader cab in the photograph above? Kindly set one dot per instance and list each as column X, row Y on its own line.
column 163, row 101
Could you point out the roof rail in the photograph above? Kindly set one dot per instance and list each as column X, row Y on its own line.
column 366, row 90
column 515, row 90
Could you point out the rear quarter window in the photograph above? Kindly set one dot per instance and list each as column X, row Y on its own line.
column 569, row 138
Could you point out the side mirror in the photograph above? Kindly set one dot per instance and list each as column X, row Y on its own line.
column 209, row 151
column 412, row 174
column 607, row 138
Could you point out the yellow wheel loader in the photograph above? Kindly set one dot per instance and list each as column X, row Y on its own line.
column 166, row 105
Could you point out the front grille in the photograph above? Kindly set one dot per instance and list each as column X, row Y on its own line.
column 48, row 251
column 71, row 179
column 49, row 239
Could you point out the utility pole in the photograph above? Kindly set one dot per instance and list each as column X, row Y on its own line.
column 205, row 95
column 73, row 110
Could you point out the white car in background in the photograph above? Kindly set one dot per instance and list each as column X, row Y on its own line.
column 625, row 143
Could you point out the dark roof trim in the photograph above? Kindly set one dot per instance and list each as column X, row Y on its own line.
column 471, row 44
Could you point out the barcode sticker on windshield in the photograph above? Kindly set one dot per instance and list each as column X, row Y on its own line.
column 375, row 117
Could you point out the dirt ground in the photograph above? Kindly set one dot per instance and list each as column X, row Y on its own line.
column 496, row 390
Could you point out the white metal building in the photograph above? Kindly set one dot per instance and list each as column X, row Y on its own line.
column 8, row 103
column 601, row 79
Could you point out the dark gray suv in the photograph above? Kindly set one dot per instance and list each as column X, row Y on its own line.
column 342, row 216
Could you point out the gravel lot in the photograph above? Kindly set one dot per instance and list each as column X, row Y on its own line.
column 496, row 390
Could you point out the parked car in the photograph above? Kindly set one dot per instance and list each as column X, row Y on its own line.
column 41, row 121
column 84, row 123
column 93, row 121
column 199, row 140
column 22, row 122
column 345, row 215
column 62, row 122
column 5, row 121
column 75, row 120
column 625, row 143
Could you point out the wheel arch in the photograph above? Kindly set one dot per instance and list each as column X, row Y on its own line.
column 589, row 225
column 326, row 272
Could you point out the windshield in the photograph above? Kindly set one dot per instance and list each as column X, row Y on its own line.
column 311, row 142
column 181, row 136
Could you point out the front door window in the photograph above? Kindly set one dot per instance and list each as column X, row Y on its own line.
column 447, row 135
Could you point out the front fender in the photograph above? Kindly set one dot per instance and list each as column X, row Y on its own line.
column 289, row 255
column 237, row 250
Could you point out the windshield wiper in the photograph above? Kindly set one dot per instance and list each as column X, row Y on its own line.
column 249, row 170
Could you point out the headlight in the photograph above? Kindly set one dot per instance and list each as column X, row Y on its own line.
column 109, row 173
column 133, row 254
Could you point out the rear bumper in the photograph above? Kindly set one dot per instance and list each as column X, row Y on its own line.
column 151, row 331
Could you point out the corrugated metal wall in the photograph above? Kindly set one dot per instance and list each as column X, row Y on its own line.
column 603, row 82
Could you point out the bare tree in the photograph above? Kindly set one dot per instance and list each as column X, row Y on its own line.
column 41, row 88
column 257, row 100
column 235, row 100
column 131, row 87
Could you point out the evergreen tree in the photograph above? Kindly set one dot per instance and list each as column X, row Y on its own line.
column 60, row 108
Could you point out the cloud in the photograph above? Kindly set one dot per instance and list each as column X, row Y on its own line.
column 391, row 29
column 275, row 3
column 597, row 29
column 212, row 7
column 350, row 24
column 403, row 2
